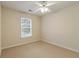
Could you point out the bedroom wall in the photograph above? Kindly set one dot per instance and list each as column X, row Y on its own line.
column 0, row 29
column 62, row 28
column 11, row 28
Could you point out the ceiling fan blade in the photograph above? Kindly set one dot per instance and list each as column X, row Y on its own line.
column 36, row 10
column 50, row 4
column 38, row 4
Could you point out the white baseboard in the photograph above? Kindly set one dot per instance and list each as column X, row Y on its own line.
column 61, row 46
column 44, row 41
column 19, row 44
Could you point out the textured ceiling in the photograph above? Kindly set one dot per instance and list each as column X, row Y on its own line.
column 24, row 6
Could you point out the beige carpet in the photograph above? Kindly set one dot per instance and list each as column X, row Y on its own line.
column 38, row 50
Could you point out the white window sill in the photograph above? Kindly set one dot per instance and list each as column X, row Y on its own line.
column 26, row 36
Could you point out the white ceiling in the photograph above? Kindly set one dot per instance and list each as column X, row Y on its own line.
column 24, row 6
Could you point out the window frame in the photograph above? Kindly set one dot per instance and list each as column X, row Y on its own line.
column 27, row 19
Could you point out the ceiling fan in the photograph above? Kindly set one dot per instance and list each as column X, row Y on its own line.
column 43, row 6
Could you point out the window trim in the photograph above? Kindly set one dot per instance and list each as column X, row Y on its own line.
column 28, row 35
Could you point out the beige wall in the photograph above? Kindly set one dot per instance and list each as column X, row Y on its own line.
column 11, row 28
column 62, row 28
column 0, row 29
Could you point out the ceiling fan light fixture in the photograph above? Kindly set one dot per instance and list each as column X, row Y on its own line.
column 44, row 6
column 44, row 9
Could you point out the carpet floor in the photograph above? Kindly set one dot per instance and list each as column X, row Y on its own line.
column 38, row 50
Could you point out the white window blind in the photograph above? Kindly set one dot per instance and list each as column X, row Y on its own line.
column 26, row 27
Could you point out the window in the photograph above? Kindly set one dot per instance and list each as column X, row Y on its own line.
column 26, row 27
